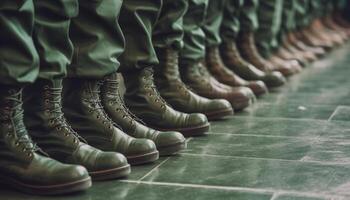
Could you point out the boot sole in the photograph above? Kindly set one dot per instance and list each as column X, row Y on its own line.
column 65, row 188
column 172, row 149
column 109, row 174
column 143, row 159
column 189, row 132
column 219, row 114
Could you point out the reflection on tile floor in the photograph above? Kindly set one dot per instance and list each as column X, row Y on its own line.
column 292, row 145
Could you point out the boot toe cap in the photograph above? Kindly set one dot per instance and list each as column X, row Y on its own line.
column 241, row 98
column 110, row 160
column 197, row 119
column 169, row 138
column 141, row 147
column 258, row 87
column 274, row 79
column 72, row 173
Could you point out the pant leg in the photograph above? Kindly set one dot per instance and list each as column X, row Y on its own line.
column 230, row 24
column 302, row 13
column 168, row 31
column 213, row 21
column 19, row 61
column 97, row 38
column 194, row 37
column 269, row 19
column 51, row 36
column 249, row 16
column 137, row 19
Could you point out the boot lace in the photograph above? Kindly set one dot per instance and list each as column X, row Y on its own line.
column 53, row 95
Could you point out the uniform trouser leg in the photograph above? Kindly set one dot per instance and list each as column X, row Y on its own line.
column 51, row 36
column 230, row 24
column 213, row 21
column 249, row 16
column 137, row 20
column 288, row 18
column 97, row 38
column 19, row 62
column 270, row 20
column 194, row 37
column 302, row 14
column 168, row 31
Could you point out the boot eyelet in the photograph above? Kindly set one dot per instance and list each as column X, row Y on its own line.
column 17, row 144
column 29, row 154
column 90, row 111
column 47, row 101
column 66, row 134
column 46, row 87
column 97, row 117
column 58, row 128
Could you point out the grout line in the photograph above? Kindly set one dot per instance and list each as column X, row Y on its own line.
column 333, row 114
column 279, row 118
column 239, row 189
column 152, row 170
column 272, row 159
column 268, row 136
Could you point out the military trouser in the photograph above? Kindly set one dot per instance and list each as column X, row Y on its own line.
column 26, row 35
column 230, row 25
column 269, row 20
column 97, row 38
column 29, row 36
column 249, row 16
column 194, row 37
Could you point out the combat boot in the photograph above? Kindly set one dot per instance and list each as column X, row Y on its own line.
column 167, row 143
column 303, row 57
column 292, row 38
column 197, row 77
column 83, row 109
column 286, row 67
column 47, row 125
column 24, row 166
column 250, row 53
column 309, row 38
column 233, row 60
column 177, row 94
column 224, row 75
column 144, row 100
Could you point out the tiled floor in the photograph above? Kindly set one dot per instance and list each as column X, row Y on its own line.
column 294, row 144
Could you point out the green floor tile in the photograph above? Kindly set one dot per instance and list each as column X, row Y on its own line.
column 342, row 114
column 115, row 190
column 287, row 197
column 282, row 110
column 253, row 173
column 251, row 146
column 268, row 126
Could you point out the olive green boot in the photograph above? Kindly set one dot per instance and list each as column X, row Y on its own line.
column 83, row 109
column 168, row 143
column 176, row 93
column 47, row 125
column 24, row 166
column 143, row 99
column 233, row 60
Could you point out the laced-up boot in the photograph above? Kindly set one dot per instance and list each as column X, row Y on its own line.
column 168, row 143
column 144, row 100
column 234, row 61
column 24, row 166
column 178, row 95
column 83, row 109
column 224, row 75
column 47, row 125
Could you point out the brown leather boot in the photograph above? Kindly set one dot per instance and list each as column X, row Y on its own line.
column 329, row 22
column 308, row 38
column 319, row 30
column 286, row 67
column 233, row 60
column 250, row 53
column 201, row 82
column 224, row 75
column 178, row 95
column 303, row 57
column 293, row 40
